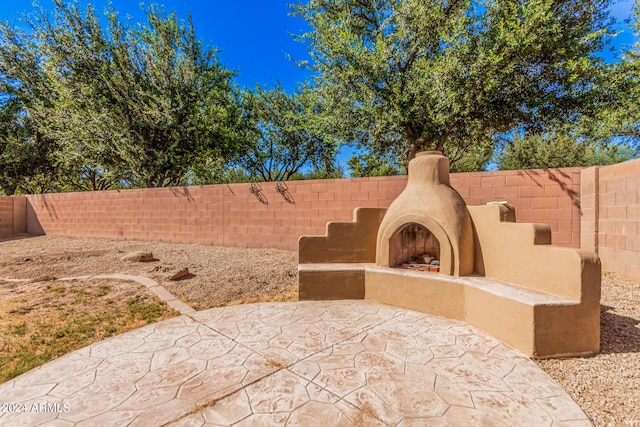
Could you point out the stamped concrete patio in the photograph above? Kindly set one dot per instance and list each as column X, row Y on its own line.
column 306, row 363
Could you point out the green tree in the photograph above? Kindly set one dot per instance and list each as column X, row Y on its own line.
column 212, row 170
column 560, row 149
column 27, row 161
column 472, row 158
column 336, row 172
column 542, row 151
column 368, row 164
column 617, row 114
column 137, row 104
column 22, row 157
column 290, row 134
column 408, row 75
column 609, row 154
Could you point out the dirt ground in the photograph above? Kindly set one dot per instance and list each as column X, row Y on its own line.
column 218, row 276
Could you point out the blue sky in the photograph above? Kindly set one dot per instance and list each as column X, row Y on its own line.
column 622, row 11
column 253, row 36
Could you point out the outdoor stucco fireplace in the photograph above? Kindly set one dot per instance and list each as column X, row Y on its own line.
column 431, row 252
column 431, row 207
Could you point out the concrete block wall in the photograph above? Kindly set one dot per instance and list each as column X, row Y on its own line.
column 231, row 215
column 13, row 211
column 226, row 215
column 611, row 216
column 6, row 216
column 550, row 196
column 595, row 208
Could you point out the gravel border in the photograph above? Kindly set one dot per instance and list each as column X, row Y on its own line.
column 607, row 386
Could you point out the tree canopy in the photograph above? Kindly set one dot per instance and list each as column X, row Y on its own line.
column 134, row 103
column 290, row 134
column 617, row 112
column 92, row 103
column 24, row 158
column 407, row 75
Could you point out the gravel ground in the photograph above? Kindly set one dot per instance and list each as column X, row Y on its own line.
column 606, row 386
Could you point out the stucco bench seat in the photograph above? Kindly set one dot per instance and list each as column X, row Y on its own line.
column 521, row 317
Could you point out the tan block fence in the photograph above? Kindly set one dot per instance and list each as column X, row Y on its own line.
column 610, row 200
column 598, row 207
column 13, row 216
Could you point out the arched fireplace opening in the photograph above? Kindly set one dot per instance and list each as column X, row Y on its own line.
column 414, row 246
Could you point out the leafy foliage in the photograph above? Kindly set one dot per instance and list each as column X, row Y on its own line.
column 560, row 149
column 24, row 159
column 335, row 172
column 472, row 159
column 137, row 104
column 367, row 164
column 616, row 114
column 91, row 105
column 290, row 134
column 542, row 151
column 410, row 75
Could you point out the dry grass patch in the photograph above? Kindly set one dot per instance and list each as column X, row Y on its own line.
column 40, row 321
column 289, row 296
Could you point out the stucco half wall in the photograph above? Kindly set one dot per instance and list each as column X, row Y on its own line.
column 542, row 299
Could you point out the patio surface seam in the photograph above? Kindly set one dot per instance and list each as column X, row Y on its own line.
column 200, row 407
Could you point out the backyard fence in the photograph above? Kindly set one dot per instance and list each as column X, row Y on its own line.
column 593, row 208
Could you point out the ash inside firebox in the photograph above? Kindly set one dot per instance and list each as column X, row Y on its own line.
column 424, row 262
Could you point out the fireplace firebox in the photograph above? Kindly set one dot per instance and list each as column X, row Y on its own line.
column 414, row 246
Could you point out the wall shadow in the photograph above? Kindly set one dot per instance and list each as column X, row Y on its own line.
column 553, row 174
column 256, row 190
column 182, row 192
column 18, row 237
column 34, row 227
column 283, row 190
column 618, row 334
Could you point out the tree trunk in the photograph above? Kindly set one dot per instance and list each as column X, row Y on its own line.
column 9, row 190
column 412, row 146
column 412, row 149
